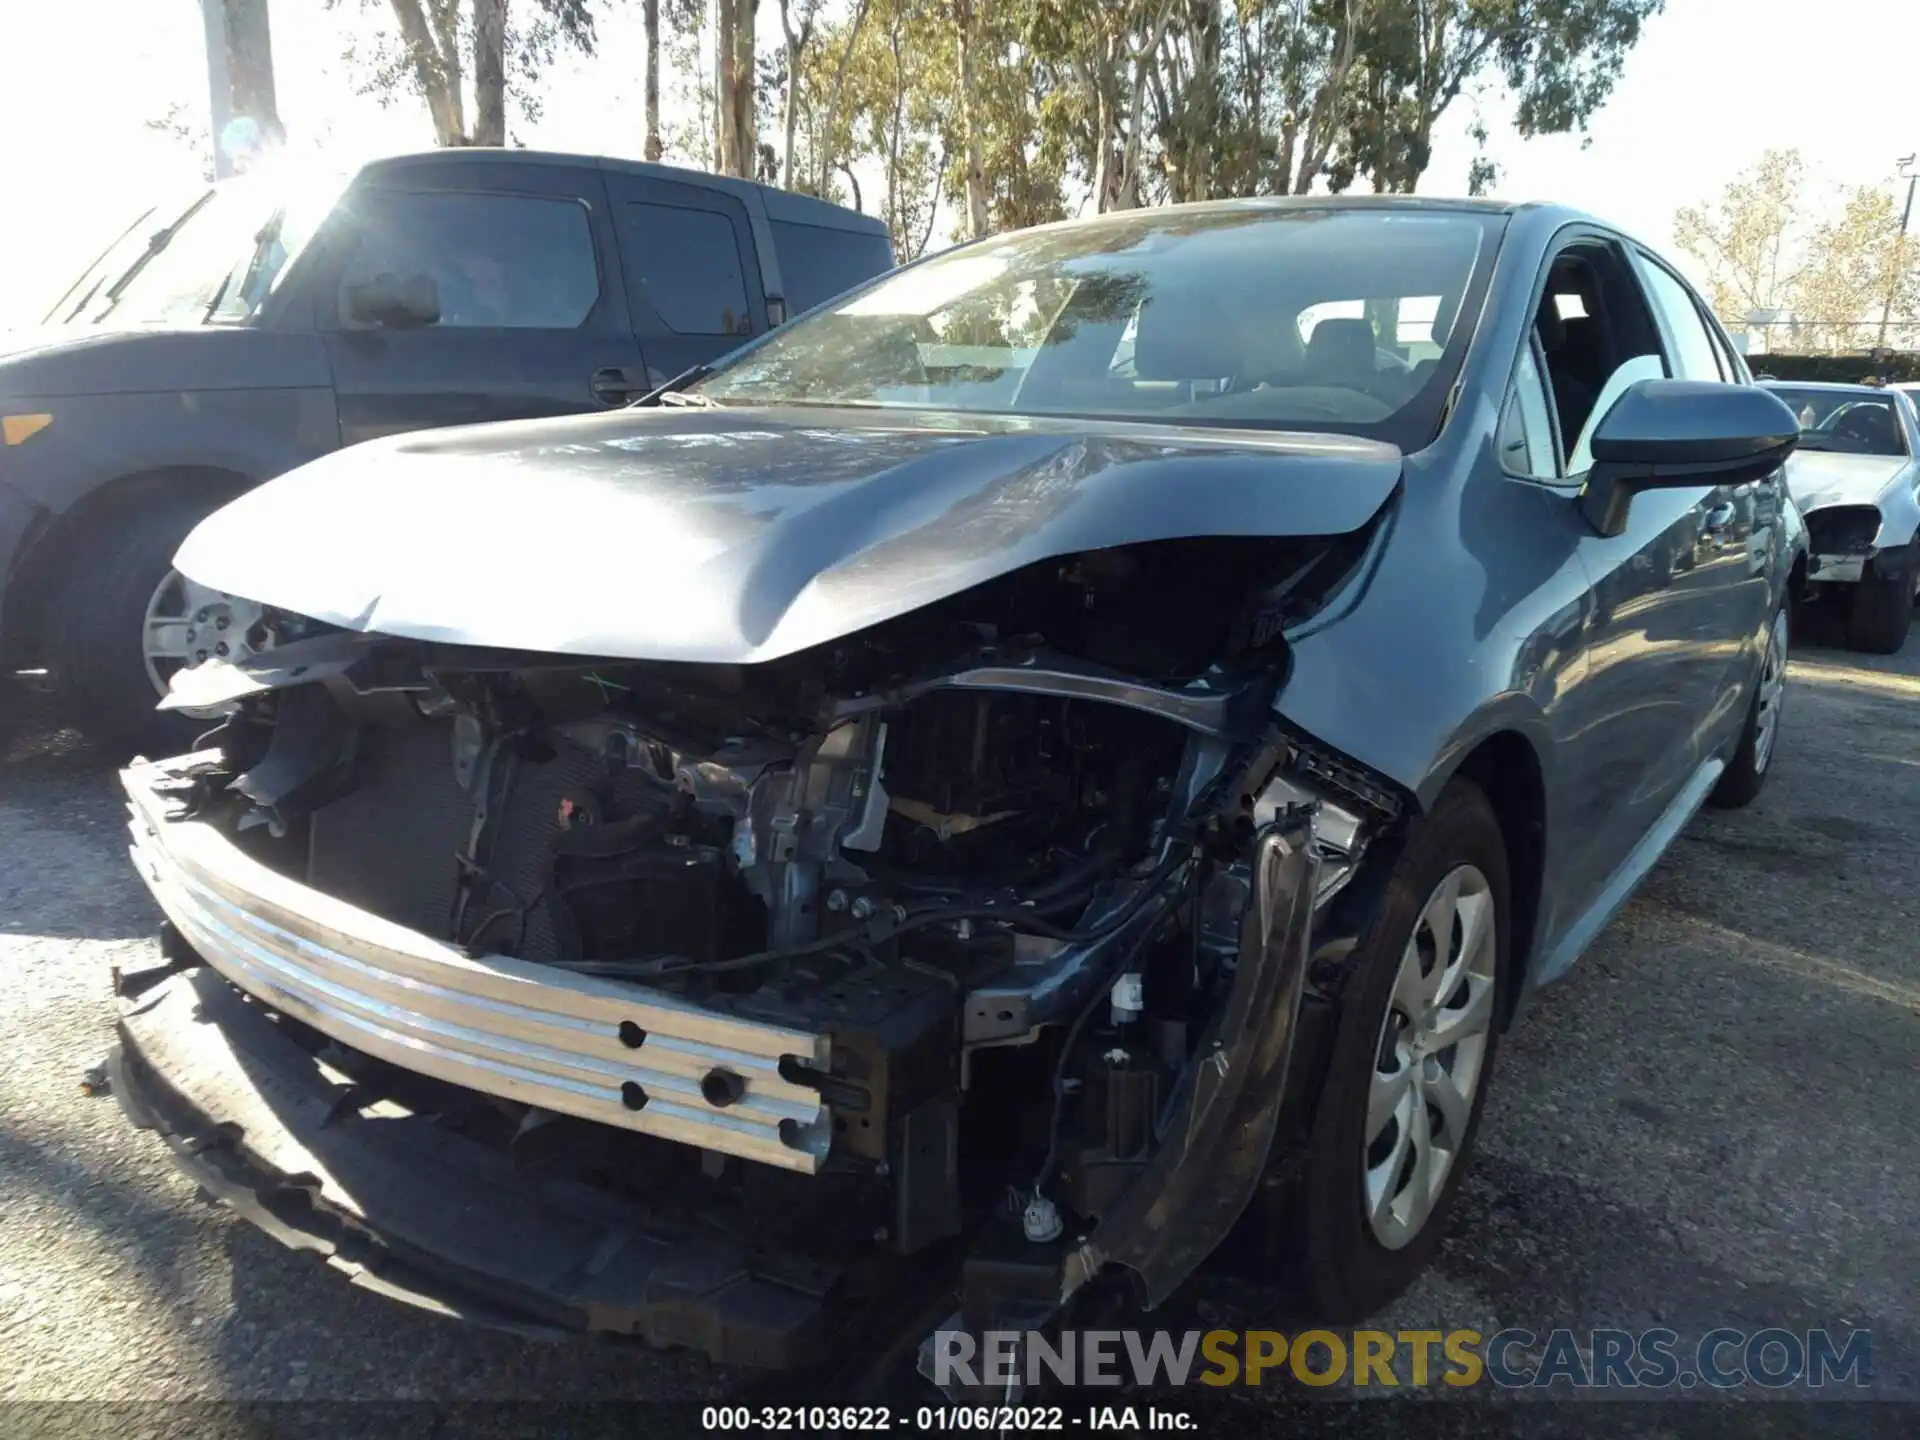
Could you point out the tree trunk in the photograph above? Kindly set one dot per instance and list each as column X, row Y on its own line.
column 978, row 220
column 746, row 126
column 796, row 50
column 1202, row 103
column 825, row 161
column 793, row 116
column 250, row 77
column 896, row 222
column 654, row 150
column 489, row 72
column 1324, row 118
column 738, row 146
column 1127, row 192
column 436, row 63
column 1103, row 162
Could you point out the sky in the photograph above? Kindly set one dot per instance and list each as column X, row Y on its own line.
column 1712, row 84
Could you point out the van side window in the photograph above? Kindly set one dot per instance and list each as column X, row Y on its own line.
column 507, row 262
column 817, row 263
column 687, row 264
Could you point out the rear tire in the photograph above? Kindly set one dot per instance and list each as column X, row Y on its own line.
column 1340, row 1254
column 1882, row 608
column 1752, row 759
column 96, row 634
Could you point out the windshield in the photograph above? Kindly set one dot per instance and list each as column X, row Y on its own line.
column 1851, row 422
column 1309, row 319
column 128, row 245
column 212, row 263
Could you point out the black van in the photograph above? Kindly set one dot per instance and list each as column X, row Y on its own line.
column 282, row 315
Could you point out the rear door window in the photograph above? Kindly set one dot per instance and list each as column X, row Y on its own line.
column 818, row 263
column 688, row 265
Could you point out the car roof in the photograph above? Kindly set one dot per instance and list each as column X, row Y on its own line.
column 1543, row 217
column 782, row 205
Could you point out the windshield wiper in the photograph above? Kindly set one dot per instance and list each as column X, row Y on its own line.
column 156, row 242
column 687, row 399
column 262, row 238
column 669, row 393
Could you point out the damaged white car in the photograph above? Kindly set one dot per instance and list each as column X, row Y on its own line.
column 1856, row 480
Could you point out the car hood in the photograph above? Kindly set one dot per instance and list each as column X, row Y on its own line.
column 1817, row 479
column 76, row 360
column 733, row 535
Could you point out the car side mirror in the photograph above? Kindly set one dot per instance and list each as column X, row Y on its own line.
column 1675, row 434
column 393, row 302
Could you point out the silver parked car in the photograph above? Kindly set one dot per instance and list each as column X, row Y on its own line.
column 1855, row 478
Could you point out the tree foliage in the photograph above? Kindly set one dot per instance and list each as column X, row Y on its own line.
column 1822, row 275
column 464, row 57
column 1750, row 240
column 1004, row 113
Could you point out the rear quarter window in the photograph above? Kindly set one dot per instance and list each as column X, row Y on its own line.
column 818, row 263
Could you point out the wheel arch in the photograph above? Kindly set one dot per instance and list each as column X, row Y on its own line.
column 43, row 560
column 1506, row 768
column 1505, row 765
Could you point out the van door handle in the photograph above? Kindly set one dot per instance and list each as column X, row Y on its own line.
column 617, row 385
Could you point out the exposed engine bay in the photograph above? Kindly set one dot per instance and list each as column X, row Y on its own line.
column 1004, row 855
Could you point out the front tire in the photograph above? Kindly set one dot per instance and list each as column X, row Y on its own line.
column 1747, row 771
column 104, row 620
column 1411, row 1061
column 1882, row 604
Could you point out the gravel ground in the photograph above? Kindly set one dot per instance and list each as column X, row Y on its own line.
column 1714, row 1121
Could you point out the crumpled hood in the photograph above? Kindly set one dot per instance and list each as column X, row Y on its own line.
column 733, row 536
column 1817, row 479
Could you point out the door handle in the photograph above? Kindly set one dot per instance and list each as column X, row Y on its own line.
column 617, row 385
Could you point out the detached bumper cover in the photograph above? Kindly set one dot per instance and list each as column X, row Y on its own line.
column 600, row 1050
column 412, row 1211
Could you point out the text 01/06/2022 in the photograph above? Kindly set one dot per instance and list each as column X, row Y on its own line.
column 987, row 1419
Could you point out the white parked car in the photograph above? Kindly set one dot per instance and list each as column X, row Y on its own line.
column 1855, row 478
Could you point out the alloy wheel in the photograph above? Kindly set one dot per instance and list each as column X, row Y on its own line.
column 1773, row 691
column 1432, row 1054
column 187, row 624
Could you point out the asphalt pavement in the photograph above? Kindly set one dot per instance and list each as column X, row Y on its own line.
column 1715, row 1121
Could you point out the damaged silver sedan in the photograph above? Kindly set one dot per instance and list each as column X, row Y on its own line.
column 1063, row 758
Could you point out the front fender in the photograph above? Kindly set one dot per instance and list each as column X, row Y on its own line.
column 1899, row 517
column 92, row 440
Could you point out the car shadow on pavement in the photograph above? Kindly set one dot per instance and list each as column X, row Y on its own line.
column 64, row 873
column 34, row 744
column 65, row 1197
